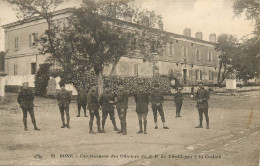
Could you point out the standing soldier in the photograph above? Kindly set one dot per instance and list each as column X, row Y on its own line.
column 107, row 101
column 142, row 101
column 157, row 99
column 178, row 97
column 122, row 105
column 64, row 99
column 25, row 99
column 82, row 101
column 202, row 97
column 93, row 107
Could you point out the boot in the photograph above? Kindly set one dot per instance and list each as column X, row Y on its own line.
column 98, row 125
column 63, row 123
column 207, row 124
column 90, row 128
column 68, row 123
column 145, row 124
column 122, row 128
column 85, row 114
column 34, row 124
column 103, row 126
column 78, row 113
column 140, row 126
column 25, row 124
column 114, row 124
column 124, row 132
column 200, row 126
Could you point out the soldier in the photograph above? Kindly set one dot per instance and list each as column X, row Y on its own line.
column 157, row 99
column 107, row 101
column 93, row 106
column 142, row 101
column 122, row 105
column 178, row 97
column 64, row 99
column 25, row 99
column 202, row 97
column 82, row 101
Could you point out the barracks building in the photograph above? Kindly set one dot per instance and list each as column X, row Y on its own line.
column 193, row 58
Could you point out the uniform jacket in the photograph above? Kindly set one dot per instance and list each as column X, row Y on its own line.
column 104, row 100
column 25, row 98
column 203, row 95
column 64, row 98
column 92, row 100
column 156, row 97
column 178, row 97
column 122, row 99
column 82, row 97
column 142, row 101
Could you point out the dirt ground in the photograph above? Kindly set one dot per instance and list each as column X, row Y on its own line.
column 233, row 137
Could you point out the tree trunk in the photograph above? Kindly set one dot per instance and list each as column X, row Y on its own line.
column 113, row 68
column 219, row 73
column 100, row 83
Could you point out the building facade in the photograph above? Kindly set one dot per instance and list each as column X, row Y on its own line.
column 194, row 59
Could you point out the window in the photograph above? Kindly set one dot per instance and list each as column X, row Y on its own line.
column 15, row 69
column 198, row 75
column 170, row 48
column 136, row 70
column 197, row 54
column 16, row 43
column 210, row 57
column 33, row 39
column 184, row 52
column 33, row 68
column 153, row 47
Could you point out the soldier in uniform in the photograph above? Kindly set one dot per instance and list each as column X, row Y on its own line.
column 142, row 101
column 25, row 99
column 64, row 99
column 178, row 97
column 202, row 97
column 107, row 101
column 157, row 99
column 93, row 106
column 121, row 106
column 82, row 101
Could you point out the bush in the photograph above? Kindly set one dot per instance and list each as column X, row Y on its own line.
column 41, row 79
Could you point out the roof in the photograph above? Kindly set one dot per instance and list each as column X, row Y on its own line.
column 68, row 10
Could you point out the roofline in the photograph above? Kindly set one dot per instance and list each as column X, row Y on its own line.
column 67, row 10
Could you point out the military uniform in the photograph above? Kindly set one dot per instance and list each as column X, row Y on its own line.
column 178, row 97
column 64, row 99
column 82, row 101
column 121, row 106
column 142, row 101
column 202, row 97
column 106, row 101
column 157, row 99
column 93, row 106
column 25, row 99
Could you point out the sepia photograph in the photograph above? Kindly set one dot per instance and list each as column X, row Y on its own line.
column 130, row 82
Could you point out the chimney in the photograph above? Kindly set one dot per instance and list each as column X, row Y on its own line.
column 160, row 25
column 187, row 32
column 212, row 37
column 199, row 35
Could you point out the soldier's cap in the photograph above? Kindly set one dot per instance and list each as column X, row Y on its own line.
column 25, row 83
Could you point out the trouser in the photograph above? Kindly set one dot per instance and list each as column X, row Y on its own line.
column 122, row 116
column 84, row 108
column 142, row 115
column 66, row 109
column 160, row 110
column 205, row 111
column 112, row 117
column 31, row 112
column 94, row 113
column 178, row 108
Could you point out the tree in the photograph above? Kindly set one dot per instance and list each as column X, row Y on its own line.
column 228, row 47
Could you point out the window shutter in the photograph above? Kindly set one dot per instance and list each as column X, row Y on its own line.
column 30, row 40
column 36, row 39
column 200, row 75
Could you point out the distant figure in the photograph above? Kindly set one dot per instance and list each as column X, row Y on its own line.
column 142, row 101
column 178, row 97
column 82, row 101
column 202, row 97
column 121, row 106
column 192, row 91
column 25, row 99
column 107, row 101
column 93, row 107
column 64, row 100
column 157, row 99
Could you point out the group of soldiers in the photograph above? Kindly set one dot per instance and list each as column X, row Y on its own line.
column 108, row 100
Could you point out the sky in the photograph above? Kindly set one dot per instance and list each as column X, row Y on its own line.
column 206, row 16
